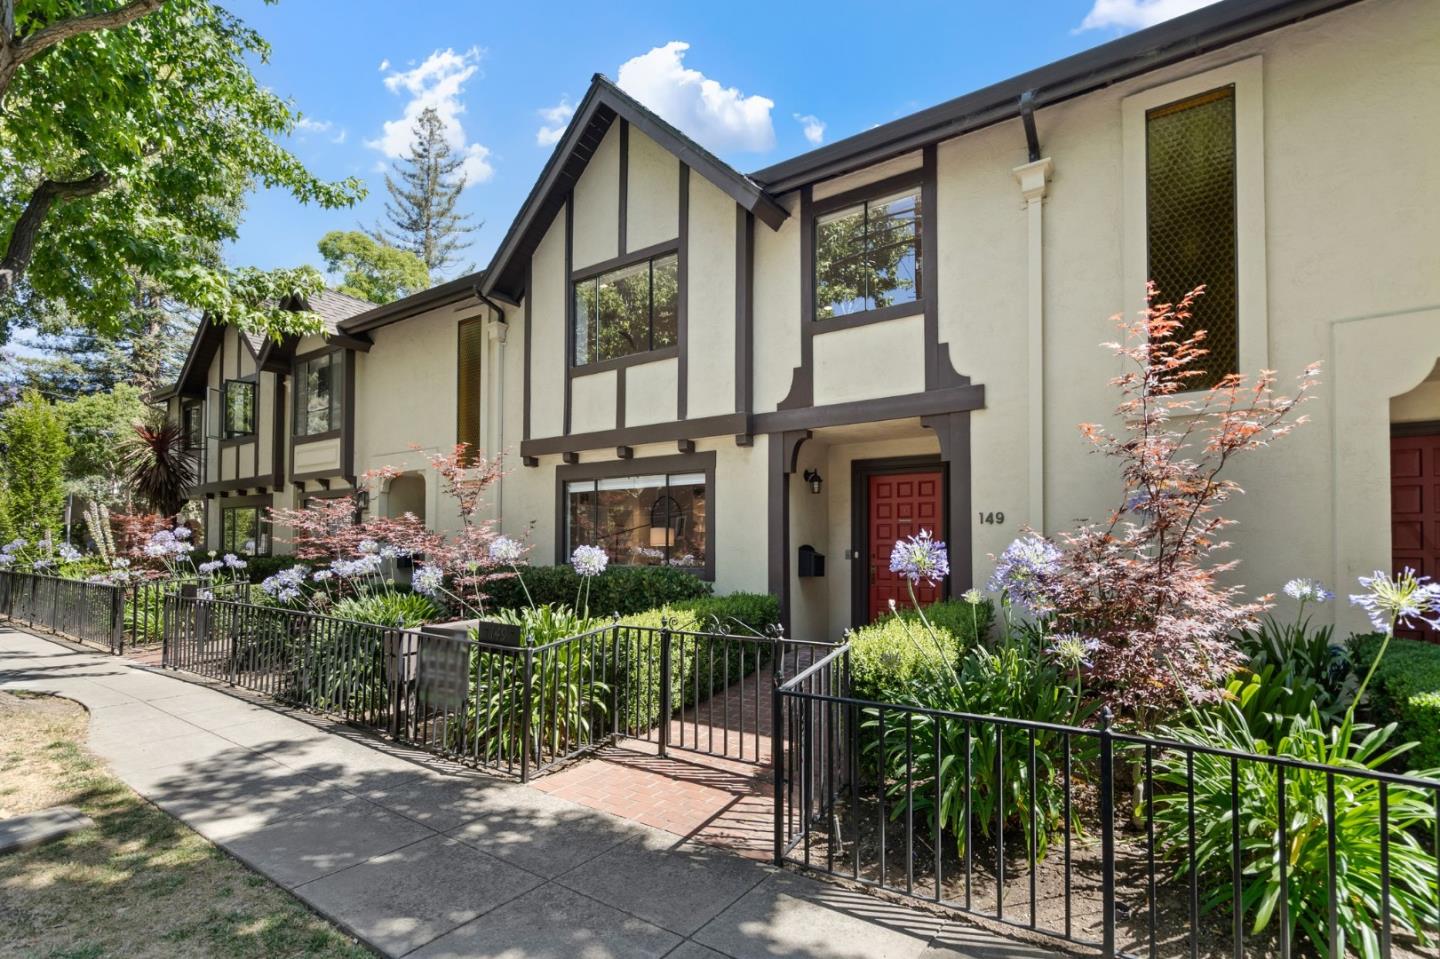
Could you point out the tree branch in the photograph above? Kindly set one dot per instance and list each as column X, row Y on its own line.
column 42, row 40
column 27, row 229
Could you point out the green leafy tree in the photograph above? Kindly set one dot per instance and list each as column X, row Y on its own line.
column 131, row 133
column 36, row 452
column 96, row 428
column 372, row 269
column 424, row 190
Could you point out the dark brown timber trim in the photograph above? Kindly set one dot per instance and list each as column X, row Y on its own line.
column 784, row 451
column 682, row 306
column 623, row 260
column 934, row 402
column 720, row 425
column 624, row 182
column 953, row 431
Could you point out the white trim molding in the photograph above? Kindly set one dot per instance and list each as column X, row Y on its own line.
column 1034, row 180
column 1247, row 78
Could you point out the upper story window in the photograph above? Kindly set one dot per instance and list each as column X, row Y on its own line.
column 192, row 422
column 629, row 310
column 471, row 337
column 317, row 395
column 239, row 400
column 868, row 254
column 1191, row 227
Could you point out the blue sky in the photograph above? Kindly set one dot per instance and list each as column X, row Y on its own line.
column 755, row 82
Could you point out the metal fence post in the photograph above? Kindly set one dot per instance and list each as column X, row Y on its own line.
column 777, row 760
column 117, row 619
column 666, row 706
column 1107, row 834
column 527, row 700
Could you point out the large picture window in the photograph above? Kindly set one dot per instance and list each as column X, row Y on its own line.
column 868, row 255
column 1191, row 227
column 243, row 530
column 658, row 520
column 239, row 408
column 633, row 309
column 316, row 395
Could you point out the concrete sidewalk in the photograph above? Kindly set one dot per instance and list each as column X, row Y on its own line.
column 420, row 858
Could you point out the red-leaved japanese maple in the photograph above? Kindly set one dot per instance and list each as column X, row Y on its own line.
column 1145, row 583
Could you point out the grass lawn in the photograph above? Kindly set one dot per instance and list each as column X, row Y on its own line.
column 139, row 883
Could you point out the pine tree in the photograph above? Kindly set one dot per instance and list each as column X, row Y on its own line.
column 34, row 463
column 423, row 194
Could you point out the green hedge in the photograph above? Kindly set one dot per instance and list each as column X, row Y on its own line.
column 892, row 655
column 620, row 589
column 740, row 614
column 1406, row 691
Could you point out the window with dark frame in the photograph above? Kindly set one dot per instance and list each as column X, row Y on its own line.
column 657, row 520
column 868, row 255
column 243, row 529
column 626, row 311
column 317, row 395
column 1191, row 224
column 239, row 399
column 192, row 419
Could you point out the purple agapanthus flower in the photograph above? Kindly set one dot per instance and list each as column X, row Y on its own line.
column 1026, row 573
column 920, row 557
column 1405, row 601
column 427, row 580
column 505, row 551
column 1308, row 591
column 1073, row 651
column 589, row 560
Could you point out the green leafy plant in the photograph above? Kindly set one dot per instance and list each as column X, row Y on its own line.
column 1015, row 680
column 35, row 453
column 886, row 662
column 1358, row 833
column 404, row 610
column 1405, row 691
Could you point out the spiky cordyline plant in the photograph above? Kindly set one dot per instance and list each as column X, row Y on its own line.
column 159, row 467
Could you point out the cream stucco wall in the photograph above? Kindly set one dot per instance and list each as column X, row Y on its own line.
column 548, row 362
column 650, row 391
column 710, row 322
column 597, row 208
column 592, row 402
column 652, row 208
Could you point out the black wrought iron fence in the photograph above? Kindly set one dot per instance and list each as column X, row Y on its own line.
column 89, row 612
column 1134, row 845
column 520, row 709
column 144, row 617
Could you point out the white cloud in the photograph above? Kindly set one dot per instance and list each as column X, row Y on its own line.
column 1136, row 14
column 814, row 128
column 438, row 82
column 555, row 118
column 306, row 125
column 384, row 64
column 721, row 118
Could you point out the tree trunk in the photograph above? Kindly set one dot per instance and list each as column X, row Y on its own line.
column 27, row 229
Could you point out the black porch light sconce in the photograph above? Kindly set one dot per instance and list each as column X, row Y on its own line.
column 813, row 478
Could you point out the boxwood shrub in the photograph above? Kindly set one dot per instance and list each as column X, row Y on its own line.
column 620, row 589
column 740, row 614
column 894, row 653
column 1405, row 691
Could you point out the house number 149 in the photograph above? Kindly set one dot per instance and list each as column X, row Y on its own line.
column 992, row 519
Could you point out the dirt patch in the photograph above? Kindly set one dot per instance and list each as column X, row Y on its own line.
column 137, row 884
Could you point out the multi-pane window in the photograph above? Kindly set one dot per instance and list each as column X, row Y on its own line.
column 239, row 400
column 1190, row 181
column 633, row 309
column 193, row 423
column 316, row 395
column 867, row 256
column 658, row 520
column 243, row 530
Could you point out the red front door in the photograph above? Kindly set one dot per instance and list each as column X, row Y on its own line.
column 1415, row 504
column 900, row 505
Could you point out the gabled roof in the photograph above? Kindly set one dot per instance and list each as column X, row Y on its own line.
column 603, row 103
column 1201, row 31
column 333, row 309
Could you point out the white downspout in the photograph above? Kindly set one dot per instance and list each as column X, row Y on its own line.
column 1034, row 179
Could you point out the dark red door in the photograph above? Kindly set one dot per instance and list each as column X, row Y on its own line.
column 900, row 505
column 1415, row 504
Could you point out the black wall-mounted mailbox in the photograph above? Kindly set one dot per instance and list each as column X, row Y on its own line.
column 811, row 563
